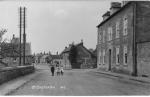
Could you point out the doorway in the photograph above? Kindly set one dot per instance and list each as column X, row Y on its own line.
column 109, row 67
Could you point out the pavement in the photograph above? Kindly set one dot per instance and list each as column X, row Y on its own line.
column 10, row 86
column 78, row 82
column 123, row 76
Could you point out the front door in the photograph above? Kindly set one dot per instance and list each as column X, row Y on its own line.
column 109, row 67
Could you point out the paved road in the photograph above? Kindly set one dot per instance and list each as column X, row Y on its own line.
column 78, row 83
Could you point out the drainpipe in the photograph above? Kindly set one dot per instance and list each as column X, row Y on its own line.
column 134, row 50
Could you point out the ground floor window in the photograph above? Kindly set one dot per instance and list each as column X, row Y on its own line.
column 125, row 56
column 99, row 58
column 117, row 56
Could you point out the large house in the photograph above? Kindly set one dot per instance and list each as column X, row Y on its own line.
column 124, row 38
column 78, row 56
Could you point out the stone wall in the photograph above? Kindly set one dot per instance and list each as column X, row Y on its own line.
column 9, row 73
column 143, row 59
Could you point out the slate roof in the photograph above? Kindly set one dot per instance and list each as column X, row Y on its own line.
column 115, row 13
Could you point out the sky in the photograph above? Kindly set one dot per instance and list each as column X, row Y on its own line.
column 52, row 25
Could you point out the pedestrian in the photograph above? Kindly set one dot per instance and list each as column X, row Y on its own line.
column 58, row 70
column 62, row 70
column 52, row 70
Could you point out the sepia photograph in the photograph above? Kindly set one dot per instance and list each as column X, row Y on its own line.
column 74, row 48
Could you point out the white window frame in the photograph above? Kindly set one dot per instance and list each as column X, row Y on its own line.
column 117, row 55
column 109, row 33
column 117, row 29
column 125, row 25
column 104, row 36
column 99, row 37
column 125, row 55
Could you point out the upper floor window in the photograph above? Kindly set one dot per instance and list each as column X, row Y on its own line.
column 117, row 29
column 125, row 56
column 125, row 25
column 117, row 56
column 104, row 36
column 99, row 37
column 109, row 33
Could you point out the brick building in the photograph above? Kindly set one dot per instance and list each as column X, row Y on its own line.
column 124, row 39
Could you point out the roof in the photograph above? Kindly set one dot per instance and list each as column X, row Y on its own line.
column 56, row 57
column 115, row 13
column 76, row 45
column 67, row 49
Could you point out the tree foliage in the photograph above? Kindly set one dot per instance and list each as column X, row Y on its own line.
column 73, row 54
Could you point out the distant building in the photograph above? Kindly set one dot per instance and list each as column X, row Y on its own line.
column 10, row 52
column 124, row 39
column 57, row 59
column 77, row 56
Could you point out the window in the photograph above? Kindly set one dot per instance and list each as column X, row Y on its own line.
column 109, row 33
column 117, row 29
column 117, row 55
column 103, row 57
column 99, row 37
column 103, row 36
column 125, row 55
column 125, row 26
column 99, row 57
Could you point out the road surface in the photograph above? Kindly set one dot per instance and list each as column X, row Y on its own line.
column 79, row 83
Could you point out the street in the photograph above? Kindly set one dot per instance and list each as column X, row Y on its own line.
column 78, row 83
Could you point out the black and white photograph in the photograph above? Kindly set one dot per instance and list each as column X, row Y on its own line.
column 74, row 48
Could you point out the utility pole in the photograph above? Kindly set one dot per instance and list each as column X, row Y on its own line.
column 20, row 27
column 24, row 36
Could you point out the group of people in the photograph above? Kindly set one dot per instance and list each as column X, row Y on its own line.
column 58, row 69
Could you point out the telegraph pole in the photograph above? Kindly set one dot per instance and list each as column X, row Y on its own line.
column 20, row 27
column 24, row 36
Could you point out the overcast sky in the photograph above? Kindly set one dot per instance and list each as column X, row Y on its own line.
column 52, row 25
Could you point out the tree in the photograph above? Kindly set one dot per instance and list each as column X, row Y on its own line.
column 73, row 55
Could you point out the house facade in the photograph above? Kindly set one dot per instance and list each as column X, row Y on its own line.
column 77, row 57
column 65, row 57
column 123, row 39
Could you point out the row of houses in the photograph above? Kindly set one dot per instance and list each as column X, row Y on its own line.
column 124, row 39
column 72, row 57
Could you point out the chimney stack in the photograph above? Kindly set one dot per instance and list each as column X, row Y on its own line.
column 115, row 6
column 106, row 15
column 124, row 3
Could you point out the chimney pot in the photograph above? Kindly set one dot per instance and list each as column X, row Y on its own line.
column 115, row 6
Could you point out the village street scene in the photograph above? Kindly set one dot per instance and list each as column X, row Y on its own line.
column 74, row 48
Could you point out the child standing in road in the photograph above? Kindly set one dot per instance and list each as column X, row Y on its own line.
column 61, row 70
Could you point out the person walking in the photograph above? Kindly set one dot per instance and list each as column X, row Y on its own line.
column 62, row 70
column 52, row 70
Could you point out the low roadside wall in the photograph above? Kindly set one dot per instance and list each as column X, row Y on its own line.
column 9, row 73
